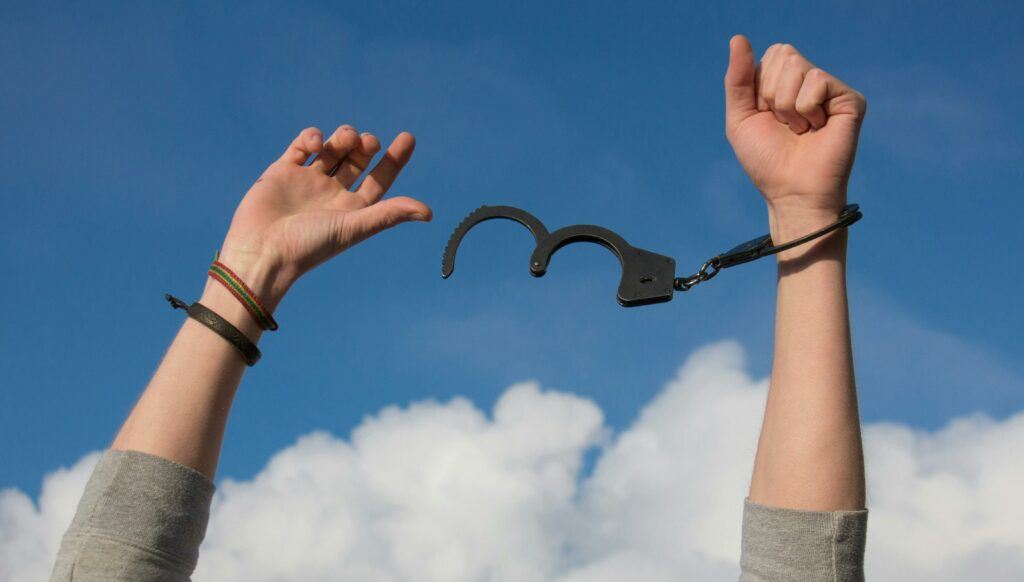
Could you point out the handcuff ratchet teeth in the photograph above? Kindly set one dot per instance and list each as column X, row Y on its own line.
column 647, row 277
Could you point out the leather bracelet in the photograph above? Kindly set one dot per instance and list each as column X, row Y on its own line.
column 204, row 315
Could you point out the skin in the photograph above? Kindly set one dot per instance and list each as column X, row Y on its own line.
column 794, row 129
column 294, row 218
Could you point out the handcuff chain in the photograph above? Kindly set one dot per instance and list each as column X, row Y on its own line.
column 759, row 248
column 702, row 274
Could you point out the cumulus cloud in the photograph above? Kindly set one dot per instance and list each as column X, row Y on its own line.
column 29, row 533
column 445, row 492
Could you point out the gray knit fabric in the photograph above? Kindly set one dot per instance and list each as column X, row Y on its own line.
column 143, row 517
column 783, row 545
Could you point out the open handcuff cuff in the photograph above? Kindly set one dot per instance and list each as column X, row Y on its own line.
column 647, row 277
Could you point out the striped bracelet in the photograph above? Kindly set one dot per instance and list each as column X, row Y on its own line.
column 243, row 293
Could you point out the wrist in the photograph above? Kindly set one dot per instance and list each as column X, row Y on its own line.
column 266, row 279
column 789, row 223
column 218, row 299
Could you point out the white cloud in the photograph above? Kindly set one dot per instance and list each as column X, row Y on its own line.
column 444, row 492
column 30, row 534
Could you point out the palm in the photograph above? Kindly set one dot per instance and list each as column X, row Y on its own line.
column 304, row 215
column 298, row 212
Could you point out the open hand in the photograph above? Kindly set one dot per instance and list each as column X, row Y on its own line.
column 297, row 216
column 794, row 129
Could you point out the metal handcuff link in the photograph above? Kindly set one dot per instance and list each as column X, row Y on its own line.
column 647, row 277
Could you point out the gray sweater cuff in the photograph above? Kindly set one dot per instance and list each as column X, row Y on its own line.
column 148, row 502
column 788, row 544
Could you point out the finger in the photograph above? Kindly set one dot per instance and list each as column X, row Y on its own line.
column 740, row 91
column 772, row 69
column 822, row 96
column 344, row 140
column 387, row 169
column 357, row 160
column 791, row 79
column 308, row 142
column 766, row 78
column 762, row 105
column 366, row 222
column 812, row 96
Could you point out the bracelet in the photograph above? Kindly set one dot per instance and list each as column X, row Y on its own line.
column 221, row 273
column 224, row 329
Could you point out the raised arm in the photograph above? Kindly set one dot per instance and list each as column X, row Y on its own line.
column 144, row 512
column 294, row 218
column 794, row 129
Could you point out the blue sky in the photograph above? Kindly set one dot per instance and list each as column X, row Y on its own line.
column 130, row 133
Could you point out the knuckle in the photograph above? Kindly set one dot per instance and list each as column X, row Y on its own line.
column 861, row 101
column 345, row 139
column 278, row 172
column 387, row 220
column 805, row 106
column 306, row 134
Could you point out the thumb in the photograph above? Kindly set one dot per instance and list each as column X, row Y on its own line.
column 366, row 222
column 740, row 90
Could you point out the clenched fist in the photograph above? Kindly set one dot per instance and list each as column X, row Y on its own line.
column 794, row 129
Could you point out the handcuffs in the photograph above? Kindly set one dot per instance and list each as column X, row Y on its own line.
column 647, row 277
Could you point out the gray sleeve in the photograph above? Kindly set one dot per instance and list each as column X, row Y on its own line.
column 781, row 545
column 141, row 517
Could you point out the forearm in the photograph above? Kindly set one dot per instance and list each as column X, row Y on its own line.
column 809, row 455
column 144, row 511
column 182, row 414
column 143, row 517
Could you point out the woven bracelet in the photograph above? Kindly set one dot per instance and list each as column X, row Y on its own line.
column 220, row 272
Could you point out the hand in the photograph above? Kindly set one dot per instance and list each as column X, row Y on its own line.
column 296, row 216
column 794, row 129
